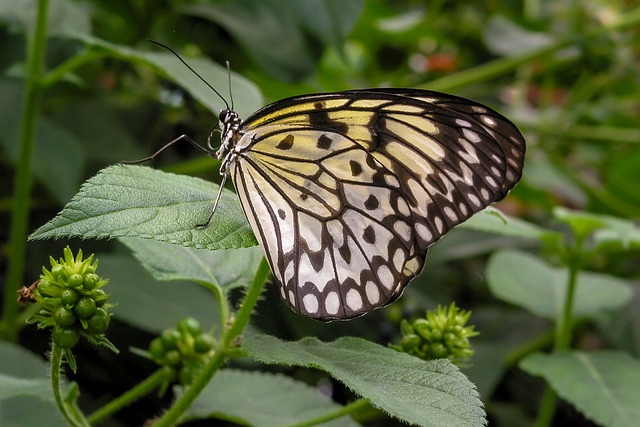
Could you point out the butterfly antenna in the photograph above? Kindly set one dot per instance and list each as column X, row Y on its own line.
column 229, row 82
column 193, row 71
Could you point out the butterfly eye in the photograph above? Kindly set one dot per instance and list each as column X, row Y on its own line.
column 223, row 116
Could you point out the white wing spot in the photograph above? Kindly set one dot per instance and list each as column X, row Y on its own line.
column 474, row 199
column 403, row 229
column 391, row 181
column 484, row 193
column 385, row 277
column 403, row 207
column 292, row 298
column 471, row 135
column 424, row 232
column 332, row 303
column 310, row 303
column 373, row 294
column 354, row 300
column 450, row 213
column 496, row 158
column 463, row 123
column 463, row 209
column 489, row 121
column 495, row 171
column 439, row 224
column 398, row 259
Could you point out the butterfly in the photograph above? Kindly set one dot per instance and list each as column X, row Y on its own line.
column 346, row 191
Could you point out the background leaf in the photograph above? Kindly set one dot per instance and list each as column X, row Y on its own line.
column 263, row 399
column 529, row 282
column 288, row 24
column 226, row 268
column 603, row 385
column 152, row 306
column 431, row 393
column 26, row 398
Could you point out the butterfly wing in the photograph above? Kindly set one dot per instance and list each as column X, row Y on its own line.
column 346, row 191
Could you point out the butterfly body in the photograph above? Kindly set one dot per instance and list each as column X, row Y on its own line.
column 346, row 191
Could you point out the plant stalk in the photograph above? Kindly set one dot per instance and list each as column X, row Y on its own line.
column 36, row 47
column 220, row 356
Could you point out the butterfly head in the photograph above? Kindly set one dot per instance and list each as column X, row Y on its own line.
column 229, row 131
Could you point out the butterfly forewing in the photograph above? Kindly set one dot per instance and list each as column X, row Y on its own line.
column 346, row 191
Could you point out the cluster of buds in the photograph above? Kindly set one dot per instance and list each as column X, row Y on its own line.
column 72, row 301
column 442, row 334
column 184, row 349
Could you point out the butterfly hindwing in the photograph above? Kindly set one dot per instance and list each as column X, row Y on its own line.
column 346, row 191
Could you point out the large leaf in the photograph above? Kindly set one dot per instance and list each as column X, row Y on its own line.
column 55, row 149
column 603, row 385
column 287, row 24
column 151, row 305
column 431, row 393
column 63, row 17
column 226, row 268
column 493, row 221
column 136, row 201
column 26, row 398
column 529, row 282
column 262, row 399
column 246, row 95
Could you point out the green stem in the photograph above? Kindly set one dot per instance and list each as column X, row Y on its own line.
column 69, row 411
column 64, row 69
column 154, row 381
column 227, row 343
column 503, row 66
column 564, row 329
column 341, row 412
column 22, row 187
column 547, row 408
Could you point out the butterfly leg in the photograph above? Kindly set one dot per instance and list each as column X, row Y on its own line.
column 215, row 204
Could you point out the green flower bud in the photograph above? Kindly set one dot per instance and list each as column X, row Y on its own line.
column 172, row 357
column 66, row 337
column 90, row 280
column 170, row 338
column 204, row 343
column 75, row 280
column 85, row 307
column 64, row 316
column 99, row 322
column 190, row 326
column 69, row 296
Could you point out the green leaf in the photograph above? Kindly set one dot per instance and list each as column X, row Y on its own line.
column 246, row 95
column 493, row 221
column 262, row 399
column 504, row 37
column 603, row 385
column 226, row 268
column 431, row 393
column 55, row 150
column 26, row 398
column 144, row 302
column 287, row 24
column 14, row 386
column 529, row 282
column 63, row 18
column 136, row 201
column 608, row 232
